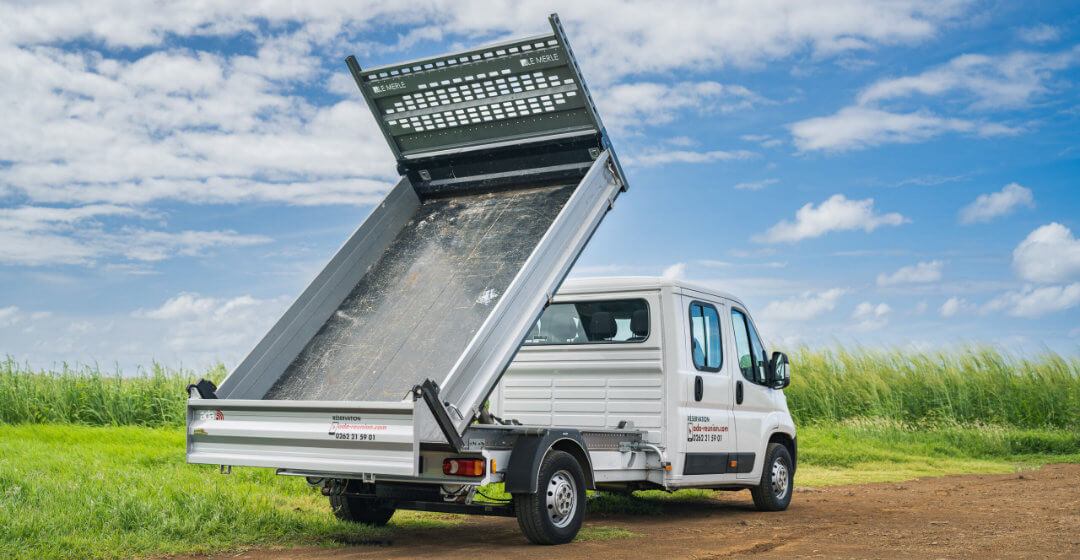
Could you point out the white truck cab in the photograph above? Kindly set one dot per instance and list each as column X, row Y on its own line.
column 680, row 362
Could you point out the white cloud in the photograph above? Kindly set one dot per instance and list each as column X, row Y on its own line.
column 870, row 317
column 989, row 82
column 835, row 214
column 1037, row 34
column 130, row 120
column 1006, row 81
column 713, row 263
column 34, row 218
column 931, row 180
column 613, row 34
column 37, row 235
column 103, row 137
column 756, row 185
column 635, row 105
column 87, row 129
column 196, row 126
column 682, row 141
column 859, row 127
column 187, row 330
column 1050, row 253
column 8, row 315
column 1031, row 301
column 152, row 246
column 804, row 307
column 989, row 206
column 676, row 271
column 196, row 324
column 954, row 305
column 654, row 157
column 765, row 140
column 921, row 273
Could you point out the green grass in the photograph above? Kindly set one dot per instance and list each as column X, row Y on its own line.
column 603, row 533
column 86, row 395
column 92, row 464
column 861, row 451
column 83, row 492
column 71, row 491
column 975, row 385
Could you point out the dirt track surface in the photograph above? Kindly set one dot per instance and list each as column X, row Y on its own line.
column 1031, row 515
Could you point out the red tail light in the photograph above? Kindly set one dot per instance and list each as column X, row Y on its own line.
column 463, row 467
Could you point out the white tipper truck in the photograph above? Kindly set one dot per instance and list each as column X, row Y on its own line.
column 440, row 349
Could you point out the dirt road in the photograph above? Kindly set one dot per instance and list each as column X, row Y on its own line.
column 1033, row 515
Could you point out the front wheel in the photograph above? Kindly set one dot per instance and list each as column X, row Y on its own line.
column 553, row 514
column 360, row 510
column 773, row 493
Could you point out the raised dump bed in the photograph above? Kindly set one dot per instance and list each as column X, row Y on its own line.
column 414, row 312
column 506, row 171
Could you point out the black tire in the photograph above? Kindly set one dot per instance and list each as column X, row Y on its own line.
column 774, row 491
column 360, row 510
column 553, row 514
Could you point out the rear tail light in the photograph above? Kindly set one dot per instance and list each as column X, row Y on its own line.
column 463, row 467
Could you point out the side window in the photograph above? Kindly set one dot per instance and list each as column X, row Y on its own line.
column 761, row 361
column 591, row 322
column 748, row 347
column 705, row 337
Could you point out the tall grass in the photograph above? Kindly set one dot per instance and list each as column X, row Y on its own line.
column 85, row 395
column 969, row 386
column 963, row 386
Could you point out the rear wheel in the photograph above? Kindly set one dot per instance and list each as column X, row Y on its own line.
column 553, row 514
column 360, row 510
column 773, row 493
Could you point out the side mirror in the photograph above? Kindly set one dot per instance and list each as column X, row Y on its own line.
column 779, row 371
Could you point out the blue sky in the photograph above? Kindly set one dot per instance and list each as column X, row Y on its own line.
column 900, row 174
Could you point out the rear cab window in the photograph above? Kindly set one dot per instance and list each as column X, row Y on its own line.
column 592, row 322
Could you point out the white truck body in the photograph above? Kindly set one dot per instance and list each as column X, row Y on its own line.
column 636, row 398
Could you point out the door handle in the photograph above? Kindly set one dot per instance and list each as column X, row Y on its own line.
column 699, row 388
column 738, row 392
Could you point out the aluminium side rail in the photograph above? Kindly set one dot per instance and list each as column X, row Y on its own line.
column 506, row 172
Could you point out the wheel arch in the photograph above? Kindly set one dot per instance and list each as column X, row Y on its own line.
column 788, row 441
column 529, row 452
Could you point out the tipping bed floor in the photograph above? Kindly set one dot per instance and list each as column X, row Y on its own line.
column 412, row 315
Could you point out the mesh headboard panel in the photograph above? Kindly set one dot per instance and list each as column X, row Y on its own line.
column 518, row 91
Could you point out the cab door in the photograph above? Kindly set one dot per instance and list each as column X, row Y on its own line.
column 753, row 397
column 706, row 395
